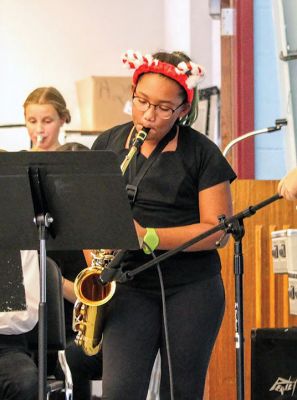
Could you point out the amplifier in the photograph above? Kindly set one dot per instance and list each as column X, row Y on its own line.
column 274, row 364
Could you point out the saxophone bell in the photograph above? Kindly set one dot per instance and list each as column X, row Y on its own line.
column 89, row 288
column 91, row 293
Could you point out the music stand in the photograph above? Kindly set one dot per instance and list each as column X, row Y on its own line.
column 62, row 201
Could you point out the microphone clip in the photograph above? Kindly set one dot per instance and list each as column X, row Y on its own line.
column 113, row 270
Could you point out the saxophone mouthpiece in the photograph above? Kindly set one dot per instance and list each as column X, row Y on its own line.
column 144, row 131
column 39, row 139
column 136, row 144
column 140, row 137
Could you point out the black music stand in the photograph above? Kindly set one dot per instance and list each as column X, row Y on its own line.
column 62, row 201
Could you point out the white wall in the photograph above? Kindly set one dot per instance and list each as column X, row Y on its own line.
column 188, row 26
column 176, row 25
column 57, row 42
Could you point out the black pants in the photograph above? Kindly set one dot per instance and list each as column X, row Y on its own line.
column 18, row 375
column 134, row 332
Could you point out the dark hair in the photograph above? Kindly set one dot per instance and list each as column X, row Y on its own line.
column 175, row 58
column 72, row 146
column 49, row 95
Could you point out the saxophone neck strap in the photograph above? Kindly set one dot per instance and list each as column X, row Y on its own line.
column 135, row 176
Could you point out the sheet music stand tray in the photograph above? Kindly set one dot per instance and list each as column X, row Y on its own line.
column 62, row 201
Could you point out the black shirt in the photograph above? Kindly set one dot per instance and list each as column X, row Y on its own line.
column 167, row 196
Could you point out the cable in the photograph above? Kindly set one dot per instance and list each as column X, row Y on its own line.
column 164, row 322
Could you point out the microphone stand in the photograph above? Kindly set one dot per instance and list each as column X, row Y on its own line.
column 279, row 123
column 232, row 225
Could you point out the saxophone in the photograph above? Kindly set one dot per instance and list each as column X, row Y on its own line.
column 90, row 292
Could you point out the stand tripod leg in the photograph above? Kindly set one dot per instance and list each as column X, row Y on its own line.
column 42, row 324
column 239, row 338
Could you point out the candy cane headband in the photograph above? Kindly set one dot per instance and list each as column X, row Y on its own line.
column 187, row 74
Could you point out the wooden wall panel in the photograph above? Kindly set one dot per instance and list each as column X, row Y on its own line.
column 237, row 86
column 265, row 293
column 258, row 274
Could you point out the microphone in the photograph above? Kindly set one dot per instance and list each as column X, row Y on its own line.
column 113, row 268
column 279, row 123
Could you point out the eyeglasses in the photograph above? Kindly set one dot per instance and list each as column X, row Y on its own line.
column 163, row 112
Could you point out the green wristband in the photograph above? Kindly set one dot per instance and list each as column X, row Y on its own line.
column 150, row 241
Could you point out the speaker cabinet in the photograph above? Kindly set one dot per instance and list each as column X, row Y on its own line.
column 274, row 364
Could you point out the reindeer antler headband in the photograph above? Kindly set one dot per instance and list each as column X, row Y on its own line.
column 187, row 74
